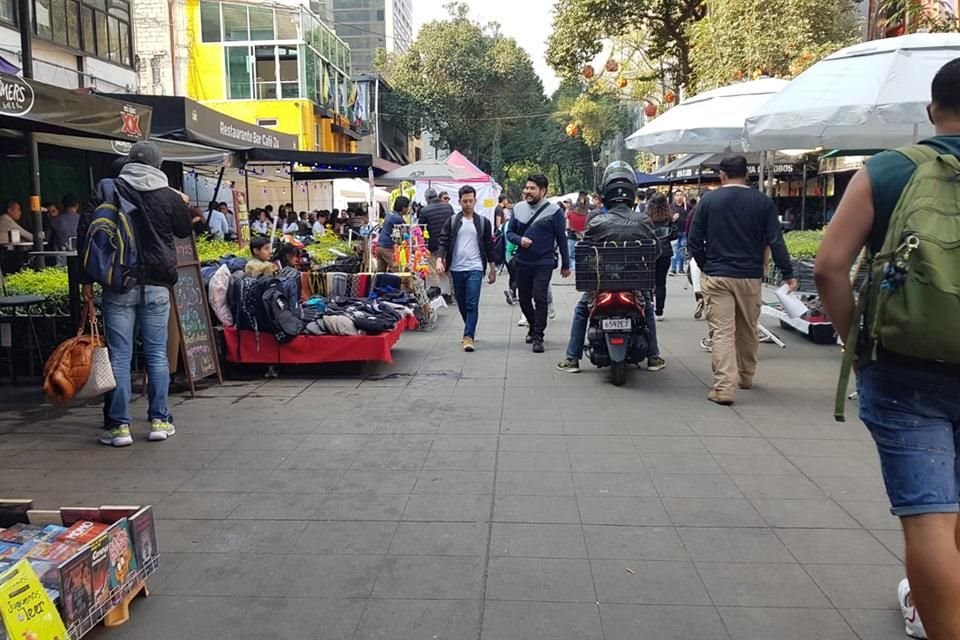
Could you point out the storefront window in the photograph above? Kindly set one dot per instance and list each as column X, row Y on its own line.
column 58, row 20
column 286, row 25
column 89, row 33
column 100, row 22
column 114, row 39
column 289, row 69
column 238, row 73
column 41, row 14
column 8, row 12
column 235, row 23
column 73, row 24
column 266, row 72
column 210, row 21
column 261, row 23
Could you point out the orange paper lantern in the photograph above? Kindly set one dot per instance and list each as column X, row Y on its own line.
column 588, row 71
column 650, row 110
column 669, row 97
column 573, row 130
column 612, row 65
column 621, row 82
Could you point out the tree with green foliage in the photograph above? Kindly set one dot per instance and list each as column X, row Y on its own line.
column 472, row 88
column 746, row 39
column 934, row 16
column 581, row 26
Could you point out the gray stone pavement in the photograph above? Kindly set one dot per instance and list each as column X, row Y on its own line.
column 460, row 496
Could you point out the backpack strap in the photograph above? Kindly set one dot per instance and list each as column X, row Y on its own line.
column 919, row 154
column 849, row 354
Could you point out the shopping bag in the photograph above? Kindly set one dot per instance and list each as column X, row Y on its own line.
column 101, row 379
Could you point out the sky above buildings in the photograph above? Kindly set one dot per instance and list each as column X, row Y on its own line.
column 527, row 21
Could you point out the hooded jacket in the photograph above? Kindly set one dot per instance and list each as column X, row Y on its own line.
column 163, row 216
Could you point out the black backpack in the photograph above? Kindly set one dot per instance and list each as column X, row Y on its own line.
column 282, row 318
column 500, row 247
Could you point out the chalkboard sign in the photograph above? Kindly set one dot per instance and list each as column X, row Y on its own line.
column 195, row 331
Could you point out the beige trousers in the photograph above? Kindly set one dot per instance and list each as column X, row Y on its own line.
column 733, row 308
column 384, row 260
column 438, row 280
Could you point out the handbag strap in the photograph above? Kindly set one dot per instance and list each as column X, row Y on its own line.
column 88, row 321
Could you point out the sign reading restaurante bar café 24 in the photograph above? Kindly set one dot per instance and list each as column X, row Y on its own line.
column 37, row 106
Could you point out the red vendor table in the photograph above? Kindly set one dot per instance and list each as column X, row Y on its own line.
column 248, row 347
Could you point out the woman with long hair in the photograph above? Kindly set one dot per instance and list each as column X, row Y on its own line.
column 658, row 209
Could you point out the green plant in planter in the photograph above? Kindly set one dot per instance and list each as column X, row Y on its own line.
column 50, row 283
column 803, row 245
column 211, row 250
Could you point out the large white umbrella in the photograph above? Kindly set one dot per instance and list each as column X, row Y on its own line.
column 709, row 122
column 427, row 170
column 872, row 95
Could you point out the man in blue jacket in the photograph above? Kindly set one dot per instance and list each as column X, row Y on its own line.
column 538, row 229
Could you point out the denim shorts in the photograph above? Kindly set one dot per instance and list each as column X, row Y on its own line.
column 914, row 416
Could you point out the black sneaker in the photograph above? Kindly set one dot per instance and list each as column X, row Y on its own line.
column 529, row 339
column 509, row 297
column 538, row 346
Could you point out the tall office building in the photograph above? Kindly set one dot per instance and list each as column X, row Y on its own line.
column 368, row 25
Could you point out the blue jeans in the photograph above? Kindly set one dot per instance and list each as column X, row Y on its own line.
column 123, row 315
column 581, row 318
column 467, row 285
column 570, row 247
column 914, row 418
column 679, row 254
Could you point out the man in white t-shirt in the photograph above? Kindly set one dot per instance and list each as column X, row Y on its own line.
column 467, row 251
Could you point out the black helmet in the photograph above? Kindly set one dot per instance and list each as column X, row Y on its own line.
column 619, row 185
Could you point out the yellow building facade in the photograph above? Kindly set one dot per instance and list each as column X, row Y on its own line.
column 273, row 65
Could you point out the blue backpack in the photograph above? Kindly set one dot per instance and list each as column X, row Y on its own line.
column 109, row 254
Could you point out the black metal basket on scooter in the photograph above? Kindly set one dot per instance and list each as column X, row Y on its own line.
column 617, row 266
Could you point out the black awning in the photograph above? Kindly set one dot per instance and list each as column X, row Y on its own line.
column 356, row 164
column 183, row 119
column 28, row 105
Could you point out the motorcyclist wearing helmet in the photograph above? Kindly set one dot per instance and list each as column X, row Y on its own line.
column 617, row 222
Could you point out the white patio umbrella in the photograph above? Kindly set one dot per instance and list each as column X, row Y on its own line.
column 869, row 96
column 427, row 170
column 709, row 122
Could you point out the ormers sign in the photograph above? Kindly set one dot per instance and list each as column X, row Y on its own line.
column 36, row 106
column 16, row 96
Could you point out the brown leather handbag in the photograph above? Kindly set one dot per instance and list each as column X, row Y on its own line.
column 68, row 367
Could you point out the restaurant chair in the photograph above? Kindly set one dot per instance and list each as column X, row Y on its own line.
column 9, row 305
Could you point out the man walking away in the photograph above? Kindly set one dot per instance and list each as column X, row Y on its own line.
column 435, row 215
column 385, row 241
column 909, row 356
column 467, row 250
column 680, row 212
column 539, row 230
column 161, row 215
column 729, row 237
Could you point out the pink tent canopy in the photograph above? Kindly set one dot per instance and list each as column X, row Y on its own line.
column 460, row 161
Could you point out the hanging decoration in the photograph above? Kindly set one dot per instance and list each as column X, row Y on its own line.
column 573, row 130
column 650, row 110
column 669, row 97
column 588, row 71
column 612, row 65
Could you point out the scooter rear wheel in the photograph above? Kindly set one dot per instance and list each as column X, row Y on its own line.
column 618, row 374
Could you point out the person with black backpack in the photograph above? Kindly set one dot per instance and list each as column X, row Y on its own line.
column 902, row 207
column 158, row 215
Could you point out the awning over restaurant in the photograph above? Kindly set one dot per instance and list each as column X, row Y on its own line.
column 172, row 151
column 183, row 119
column 703, row 166
column 29, row 105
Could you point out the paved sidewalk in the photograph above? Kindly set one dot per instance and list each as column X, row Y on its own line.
column 488, row 496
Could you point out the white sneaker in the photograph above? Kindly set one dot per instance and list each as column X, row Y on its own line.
column 911, row 619
column 553, row 311
column 523, row 321
column 118, row 436
column 160, row 430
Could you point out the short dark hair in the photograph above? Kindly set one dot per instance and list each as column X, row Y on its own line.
column 465, row 189
column 268, row 208
column 70, row 200
column 735, row 166
column 503, row 197
column 7, row 204
column 540, row 180
column 258, row 243
column 401, row 203
column 946, row 86
column 50, row 203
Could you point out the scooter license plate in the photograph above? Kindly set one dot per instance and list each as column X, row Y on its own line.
column 616, row 324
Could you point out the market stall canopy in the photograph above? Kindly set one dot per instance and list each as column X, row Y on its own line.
column 171, row 150
column 313, row 165
column 710, row 121
column 649, row 179
column 429, row 170
column 28, row 105
column 179, row 118
column 460, row 161
column 704, row 166
column 873, row 94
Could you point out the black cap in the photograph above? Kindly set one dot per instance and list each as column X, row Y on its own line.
column 735, row 166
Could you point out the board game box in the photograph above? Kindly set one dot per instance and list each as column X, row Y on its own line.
column 76, row 586
column 123, row 562
column 100, row 568
column 84, row 532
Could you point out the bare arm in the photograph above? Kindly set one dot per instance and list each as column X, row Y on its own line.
column 846, row 234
